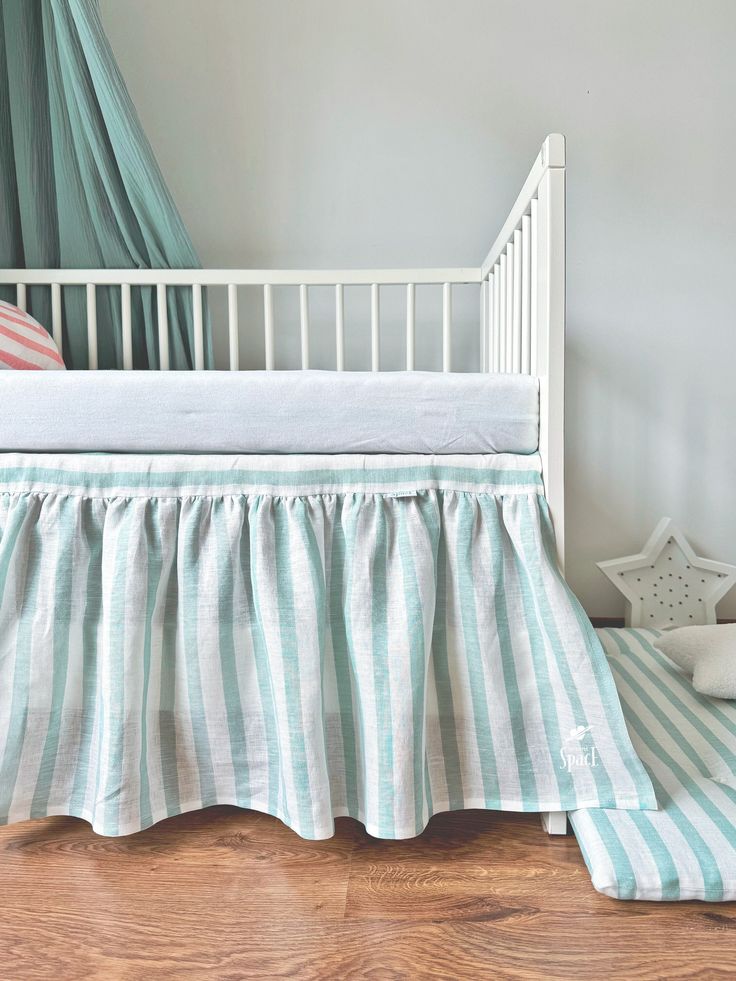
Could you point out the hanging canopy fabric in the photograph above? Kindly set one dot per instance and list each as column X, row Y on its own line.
column 79, row 181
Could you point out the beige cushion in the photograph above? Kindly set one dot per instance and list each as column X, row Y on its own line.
column 706, row 653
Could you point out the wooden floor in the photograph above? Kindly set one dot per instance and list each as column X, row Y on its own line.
column 232, row 894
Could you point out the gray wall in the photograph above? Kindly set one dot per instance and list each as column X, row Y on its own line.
column 346, row 133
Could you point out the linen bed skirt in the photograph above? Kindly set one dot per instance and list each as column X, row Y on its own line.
column 384, row 637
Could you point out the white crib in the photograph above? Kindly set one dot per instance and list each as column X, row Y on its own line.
column 521, row 318
column 520, row 313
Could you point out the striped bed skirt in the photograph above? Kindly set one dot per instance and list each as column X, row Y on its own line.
column 384, row 637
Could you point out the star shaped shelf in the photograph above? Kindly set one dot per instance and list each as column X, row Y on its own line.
column 667, row 584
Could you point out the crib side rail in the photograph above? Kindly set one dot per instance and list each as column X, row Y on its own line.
column 197, row 280
column 523, row 308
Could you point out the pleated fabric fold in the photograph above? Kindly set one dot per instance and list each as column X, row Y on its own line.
column 380, row 637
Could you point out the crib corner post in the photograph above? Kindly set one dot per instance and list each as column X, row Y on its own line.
column 554, row 822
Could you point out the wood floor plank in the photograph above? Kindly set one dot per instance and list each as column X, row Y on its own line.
column 231, row 894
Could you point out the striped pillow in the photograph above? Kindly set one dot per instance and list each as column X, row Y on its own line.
column 24, row 343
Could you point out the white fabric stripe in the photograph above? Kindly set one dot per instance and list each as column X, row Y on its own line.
column 39, row 690
column 543, row 765
column 362, row 630
column 64, row 776
column 268, row 610
column 400, row 657
column 471, row 765
column 167, row 524
column 509, row 783
column 210, row 668
column 310, row 616
column 186, row 756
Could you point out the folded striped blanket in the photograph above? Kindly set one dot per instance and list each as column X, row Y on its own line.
column 378, row 636
column 687, row 741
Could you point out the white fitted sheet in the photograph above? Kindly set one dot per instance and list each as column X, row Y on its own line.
column 268, row 412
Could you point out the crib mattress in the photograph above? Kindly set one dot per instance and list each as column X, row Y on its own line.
column 268, row 412
column 687, row 742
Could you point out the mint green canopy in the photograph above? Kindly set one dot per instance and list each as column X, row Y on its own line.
column 79, row 182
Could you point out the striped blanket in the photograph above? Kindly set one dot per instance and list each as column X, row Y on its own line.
column 687, row 741
column 378, row 636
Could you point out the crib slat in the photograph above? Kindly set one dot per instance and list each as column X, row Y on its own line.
column 20, row 296
column 525, row 296
column 375, row 328
column 304, row 321
column 516, row 323
column 410, row 325
column 491, row 278
column 533, row 290
column 502, row 314
column 509, row 327
column 483, row 324
column 162, row 312
column 268, row 325
column 198, row 327
column 232, row 326
column 56, row 319
column 127, row 326
column 496, row 335
column 91, row 327
column 339, row 327
column 447, row 327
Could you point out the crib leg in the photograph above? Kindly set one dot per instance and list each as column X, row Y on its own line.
column 554, row 822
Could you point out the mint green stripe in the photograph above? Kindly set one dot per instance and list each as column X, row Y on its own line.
column 342, row 646
column 441, row 660
column 497, row 589
column 113, row 781
column 67, row 527
column 91, row 532
column 332, row 478
column 227, row 625
column 623, row 869
column 277, row 801
column 321, row 612
column 464, row 546
column 417, row 653
column 169, row 680
column 154, row 545
column 197, row 519
column 18, row 521
column 381, row 676
column 289, row 653
column 661, row 856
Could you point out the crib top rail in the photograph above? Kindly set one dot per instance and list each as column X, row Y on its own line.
column 240, row 277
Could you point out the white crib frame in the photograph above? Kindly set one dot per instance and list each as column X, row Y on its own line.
column 522, row 312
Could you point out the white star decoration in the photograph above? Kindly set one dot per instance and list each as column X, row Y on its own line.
column 667, row 584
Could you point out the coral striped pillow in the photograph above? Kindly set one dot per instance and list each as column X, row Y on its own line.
column 24, row 343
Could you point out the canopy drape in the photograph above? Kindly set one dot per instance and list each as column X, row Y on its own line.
column 79, row 181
